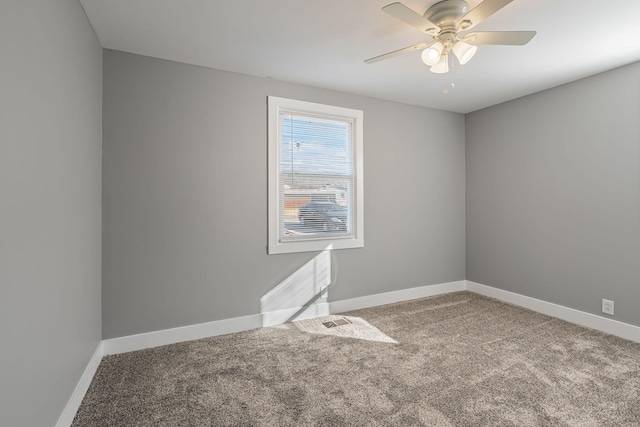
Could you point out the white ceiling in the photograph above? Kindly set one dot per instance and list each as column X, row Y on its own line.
column 323, row 43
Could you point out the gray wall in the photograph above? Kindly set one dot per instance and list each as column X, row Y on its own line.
column 553, row 194
column 185, row 196
column 50, row 216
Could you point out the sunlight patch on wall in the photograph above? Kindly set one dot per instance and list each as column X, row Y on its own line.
column 302, row 295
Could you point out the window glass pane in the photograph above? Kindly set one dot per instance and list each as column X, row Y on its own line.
column 315, row 146
column 315, row 206
column 316, row 177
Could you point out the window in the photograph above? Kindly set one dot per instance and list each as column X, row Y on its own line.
column 315, row 177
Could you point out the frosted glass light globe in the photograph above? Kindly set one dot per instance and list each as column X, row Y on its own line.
column 431, row 55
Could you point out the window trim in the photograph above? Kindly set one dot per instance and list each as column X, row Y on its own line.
column 275, row 245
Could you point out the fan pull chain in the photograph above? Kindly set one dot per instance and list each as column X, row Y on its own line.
column 451, row 86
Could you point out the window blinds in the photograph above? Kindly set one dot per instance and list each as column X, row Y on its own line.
column 316, row 177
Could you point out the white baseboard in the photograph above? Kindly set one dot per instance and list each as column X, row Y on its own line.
column 279, row 317
column 184, row 333
column 69, row 412
column 609, row 326
column 395, row 296
column 244, row 323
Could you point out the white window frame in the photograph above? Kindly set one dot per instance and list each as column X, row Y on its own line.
column 313, row 243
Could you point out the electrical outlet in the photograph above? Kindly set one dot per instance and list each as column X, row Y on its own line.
column 607, row 306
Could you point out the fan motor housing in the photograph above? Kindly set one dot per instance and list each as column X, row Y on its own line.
column 445, row 13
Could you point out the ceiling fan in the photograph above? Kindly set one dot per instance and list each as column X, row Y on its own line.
column 443, row 21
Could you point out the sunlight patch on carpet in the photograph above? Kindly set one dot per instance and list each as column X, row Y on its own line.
column 357, row 328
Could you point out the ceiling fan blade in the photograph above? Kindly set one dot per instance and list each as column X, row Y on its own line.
column 480, row 13
column 403, row 13
column 499, row 37
column 397, row 52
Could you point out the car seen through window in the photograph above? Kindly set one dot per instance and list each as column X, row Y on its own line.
column 323, row 217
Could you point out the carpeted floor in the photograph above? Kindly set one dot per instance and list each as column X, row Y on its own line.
column 453, row 360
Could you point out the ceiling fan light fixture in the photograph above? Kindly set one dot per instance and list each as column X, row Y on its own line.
column 464, row 51
column 443, row 21
column 442, row 66
column 431, row 55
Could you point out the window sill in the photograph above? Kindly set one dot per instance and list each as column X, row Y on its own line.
column 314, row 246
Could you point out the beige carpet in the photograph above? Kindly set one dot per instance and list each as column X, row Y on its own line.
column 453, row 360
